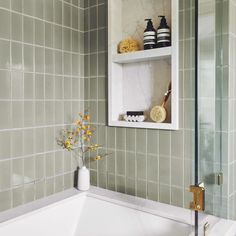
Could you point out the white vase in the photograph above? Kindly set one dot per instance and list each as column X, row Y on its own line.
column 83, row 179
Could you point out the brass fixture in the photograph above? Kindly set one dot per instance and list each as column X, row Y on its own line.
column 198, row 203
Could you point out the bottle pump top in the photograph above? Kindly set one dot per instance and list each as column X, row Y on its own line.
column 149, row 24
column 163, row 23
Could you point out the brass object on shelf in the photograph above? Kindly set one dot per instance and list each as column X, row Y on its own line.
column 198, row 203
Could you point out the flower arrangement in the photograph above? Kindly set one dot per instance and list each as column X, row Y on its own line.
column 79, row 140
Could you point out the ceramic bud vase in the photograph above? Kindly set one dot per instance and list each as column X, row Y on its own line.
column 83, row 179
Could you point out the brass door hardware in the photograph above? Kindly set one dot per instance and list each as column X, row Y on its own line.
column 198, row 203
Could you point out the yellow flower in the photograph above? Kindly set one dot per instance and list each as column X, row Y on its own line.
column 86, row 117
column 97, row 158
column 68, row 145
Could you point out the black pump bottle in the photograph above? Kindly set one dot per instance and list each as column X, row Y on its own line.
column 163, row 34
column 149, row 36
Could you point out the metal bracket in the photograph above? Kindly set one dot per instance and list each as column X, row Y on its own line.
column 198, row 203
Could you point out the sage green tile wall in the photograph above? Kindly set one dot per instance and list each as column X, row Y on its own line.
column 152, row 164
column 41, row 70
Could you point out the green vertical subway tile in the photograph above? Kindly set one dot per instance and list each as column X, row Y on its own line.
column 39, row 190
column 5, row 88
column 130, row 187
column 141, row 161
column 39, row 59
column 5, row 111
column 164, row 170
column 75, row 18
column 102, row 88
column 152, row 168
column 111, row 137
column 28, row 142
column 5, row 170
column 5, row 200
column 28, row 29
column 141, row 140
column 17, row 196
column 67, row 15
column 111, row 162
column 94, row 64
column 93, row 178
column 28, row 58
column 48, row 35
column 66, row 39
column 164, row 194
column 58, row 184
column 101, row 133
column 130, row 139
column 67, row 63
column 120, row 184
column 58, row 12
column 39, row 8
column 75, row 63
column 102, row 180
column 177, row 143
column 5, row 142
column 29, row 114
column 58, row 162
column 93, row 41
column 93, row 88
column 130, row 165
column 5, row 54
column 28, row 85
column 49, row 63
column 68, row 181
column 93, row 18
column 102, row 16
column 48, row 10
column 4, row 24
column 40, row 166
column 29, row 193
column 17, row 143
column 152, row 191
column 177, row 172
column 102, row 40
column 29, row 168
column 102, row 113
column 16, row 55
column 141, row 188
column 164, row 143
column 17, row 84
column 120, row 138
column 39, row 136
column 39, row 32
column 177, row 196
column 49, row 186
column 17, row 172
column 49, row 87
column 152, row 141
column 102, row 64
column 16, row 27
column 17, row 114
column 111, row 182
column 93, row 109
column 120, row 162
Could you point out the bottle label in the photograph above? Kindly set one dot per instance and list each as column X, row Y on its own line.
column 163, row 31
column 149, row 33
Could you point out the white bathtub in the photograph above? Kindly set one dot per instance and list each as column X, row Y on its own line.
column 96, row 213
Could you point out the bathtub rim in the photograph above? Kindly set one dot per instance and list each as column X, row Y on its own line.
column 169, row 212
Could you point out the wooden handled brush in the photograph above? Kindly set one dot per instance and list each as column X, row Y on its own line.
column 159, row 113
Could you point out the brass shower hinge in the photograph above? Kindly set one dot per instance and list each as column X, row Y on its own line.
column 198, row 203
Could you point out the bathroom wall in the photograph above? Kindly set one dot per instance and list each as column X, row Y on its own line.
column 41, row 71
column 152, row 164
